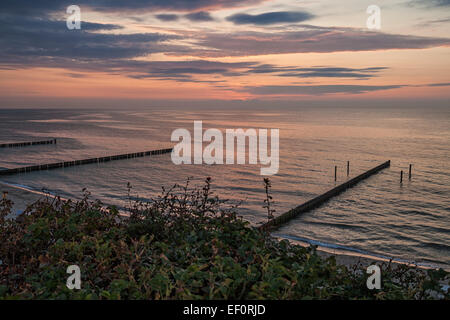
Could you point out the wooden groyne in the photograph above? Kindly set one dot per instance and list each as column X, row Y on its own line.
column 82, row 162
column 25, row 144
column 316, row 202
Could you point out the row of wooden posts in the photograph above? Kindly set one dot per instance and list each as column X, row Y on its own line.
column 25, row 144
column 348, row 172
column 81, row 162
column 319, row 200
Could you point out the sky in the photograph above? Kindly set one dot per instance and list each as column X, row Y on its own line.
column 223, row 52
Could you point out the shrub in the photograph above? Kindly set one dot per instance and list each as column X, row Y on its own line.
column 186, row 244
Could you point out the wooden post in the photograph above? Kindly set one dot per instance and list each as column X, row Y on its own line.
column 335, row 173
column 401, row 176
column 410, row 169
column 348, row 168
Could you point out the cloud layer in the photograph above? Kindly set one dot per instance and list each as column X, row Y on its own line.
column 316, row 89
column 36, row 6
column 310, row 39
column 32, row 34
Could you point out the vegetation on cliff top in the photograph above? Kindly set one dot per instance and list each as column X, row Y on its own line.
column 186, row 244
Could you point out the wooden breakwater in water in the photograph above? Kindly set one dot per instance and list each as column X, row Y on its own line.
column 66, row 164
column 316, row 202
column 25, row 144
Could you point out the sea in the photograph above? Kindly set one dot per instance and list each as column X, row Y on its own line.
column 380, row 217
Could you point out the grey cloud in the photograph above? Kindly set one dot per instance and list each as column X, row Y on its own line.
column 444, row 84
column 183, row 70
column 167, row 17
column 430, row 3
column 319, row 72
column 270, row 18
column 440, row 3
column 38, row 38
column 201, row 16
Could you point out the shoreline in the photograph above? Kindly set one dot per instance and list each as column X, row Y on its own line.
column 350, row 259
column 23, row 197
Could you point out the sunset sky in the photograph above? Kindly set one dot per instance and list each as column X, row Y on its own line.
column 163, row 52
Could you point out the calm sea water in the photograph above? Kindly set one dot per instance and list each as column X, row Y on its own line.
column 409, row 221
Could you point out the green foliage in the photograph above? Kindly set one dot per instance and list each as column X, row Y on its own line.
column 186, row 244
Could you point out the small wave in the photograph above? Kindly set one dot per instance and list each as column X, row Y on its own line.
column 438, row 246
column 42, row 192
column 339, row 225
